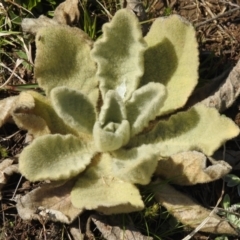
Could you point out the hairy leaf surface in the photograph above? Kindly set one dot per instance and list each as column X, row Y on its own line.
column 74, row 108
column 144, row 106
column 119, row 54
column 63, row 59
column 199, row 128
column 98, row 188
column 136, row 165
column 55, row 157
column 112, row 130
column 172, row 59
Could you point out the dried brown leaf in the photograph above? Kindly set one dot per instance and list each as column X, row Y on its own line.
column 31, row 25
column 67, row 12
column 6, row 106
column 7, row 168
column 76, row 234
column 208, row 89
column 189, row 168
column 138, row 8
column 232, row 157
column 227, row 93
column 49, row 202
column 111, row 229
column 189, row 212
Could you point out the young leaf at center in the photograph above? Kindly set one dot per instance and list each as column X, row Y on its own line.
column 112, row 130
column 144, row 105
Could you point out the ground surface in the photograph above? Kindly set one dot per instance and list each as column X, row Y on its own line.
column 218, row 26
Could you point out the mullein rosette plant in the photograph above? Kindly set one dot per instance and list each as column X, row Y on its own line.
column 109, row 120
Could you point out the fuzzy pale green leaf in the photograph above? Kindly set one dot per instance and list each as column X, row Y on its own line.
column 55, row 157
column 112, row 137
column 135, row 166
column 144, row 106
column 113, row 109
column 199, row 128
column 112, row 130
column 98, row 189
column 74, row 108
column 63, row 59
column 119, row 54
column 34, row 112
column 189, row 168
column 172, row 59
